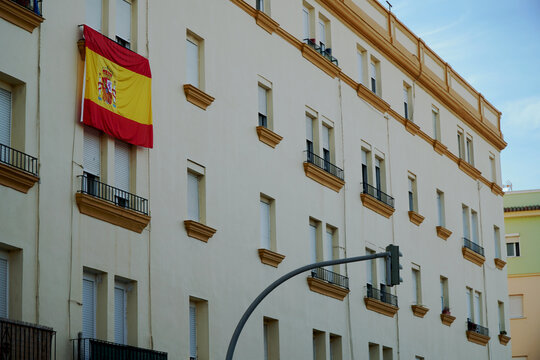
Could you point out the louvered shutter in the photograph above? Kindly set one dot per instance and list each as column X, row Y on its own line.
column 121, row 165
column 263, row 101
column 516, row 306
column 192, row 63
column 265, row 225
column 322, row 32
column 305, row 21
column 192, row 330
column 193, row 197
column 4, row 286
column 91, row 151
column 89, row 308
column 93, row 14
column 120, row 315
column 309, row 128
column 123, row 20
column 313, row 242
column 5, row 117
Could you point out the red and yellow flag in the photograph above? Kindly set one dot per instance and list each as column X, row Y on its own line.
column 117, row 91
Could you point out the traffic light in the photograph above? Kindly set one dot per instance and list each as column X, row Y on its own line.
column 393, row 277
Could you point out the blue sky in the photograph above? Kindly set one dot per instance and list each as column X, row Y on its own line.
column 495, row 46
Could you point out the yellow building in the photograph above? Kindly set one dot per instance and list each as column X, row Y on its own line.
column 285, row 132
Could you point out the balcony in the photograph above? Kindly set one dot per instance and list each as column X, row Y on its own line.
column 323, row 50
column 473, row 252
column 93, row 349
column 380, row 301
column 376, row 200
column 328, row 283
column 18, row 170
column 110, row 204
column 477, row 333
column 323, row 171
column 26, row 14
column 320, row 56
column 20, row 340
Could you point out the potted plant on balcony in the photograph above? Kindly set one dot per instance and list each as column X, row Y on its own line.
column 503, row 337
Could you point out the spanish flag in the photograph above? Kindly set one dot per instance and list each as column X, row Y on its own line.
column 117, row 90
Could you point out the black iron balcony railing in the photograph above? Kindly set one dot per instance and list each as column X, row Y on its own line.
column 19, row 160
column 93, row 349
column 377, row 194
column 473, row 246
column 323, row 164
column 477, row 328
column 331, row 277
column 32, row 5
column 321, row 49
column 383, row 296
column 20, row 340
column 93, row 187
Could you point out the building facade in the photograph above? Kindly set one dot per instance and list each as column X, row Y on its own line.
column 285, row 132
column 522, row 223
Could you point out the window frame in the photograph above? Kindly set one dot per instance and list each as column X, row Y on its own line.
column 196, row 40
column 436, row 122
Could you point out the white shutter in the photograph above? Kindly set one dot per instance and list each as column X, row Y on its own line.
column 322, row 32
column 477, row 307
column 434, row 115
column 305, row 19
column 265, row 336
column 364, row 158
column 415, row 286
column 5, row 117
column 516, row 306
column 123, row 19
column 369, row 269
column 326, row 138
column 439, row 209
column 469, row 305
column 192, row 62
column 328, row 246
column 382, row 271
column 360, row 61
column 193, row 197
column 89, row 307
column 4, row 286
column 373, row 70
column 265, row 225
column 497, row 240
column 121, row 165
column 465, row 216
column 120, row 315
column 442, row 295
column 474, row 217
column 313, row 242
column 263, row 102
column 192, row 330
column 91, row 151
column 309, row 128
column 93, row 14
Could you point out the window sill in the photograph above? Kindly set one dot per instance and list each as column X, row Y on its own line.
column 113, row 214
column 322, row 177
column 496, row 189
column 15, row 178
column 473, row 257
column 197, row 97
column 265, row 21
column 319, row 61
column 199, row 231
column 268, row 137
column 443, row 232
column 380, row 307
column 411, row 127
column 503, row 339
column 499, row 263
column 419, row 310
column 469, row 169
column 477, row 338
column 376, row 205
column 439, row 147
column 415, row 218
column 447, row 319
column 19, row 15
column 270, row 257
column 327, row 289
column 368, row 95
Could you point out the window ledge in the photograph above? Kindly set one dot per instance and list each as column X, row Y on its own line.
column 469, row 169
column 270, row 257
column 472, row 256
column 199, row 231
column 439, row 147
column 19, row 15
column 376, row 205
column 415, row 218
column 319, row 61
column 411, row 127
column 443, row 232
column 499, row 263
column 268, row 137
column 113, row 214
column 477, row 338
column 325, row 288
column 197, row 97
column 372, row 98
column 419, row 310
column 15, row 178
column 496, row 189
column 323, row 177
column 447, row 319
column 503, row 339
column 380, row 307
column 265, row 21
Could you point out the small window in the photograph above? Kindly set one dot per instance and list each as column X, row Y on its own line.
column 319, row 345
column 502, row 323
column 371, row 269
column 194, row 60
column 373, row 69
column 198, row 329
column 5, row 117
column 309, row 136
column 313, row 241
column 461, row 144
column 192, row 331
column 379, row 176
column 373, row 351
column 436, row 123
column 324, row 34
column 469, row 156
column 307, row 21
column 416, row 285
column 516, row 306
column 267, row 223
column 493, row 168
column 93, row 15
column 335, row 347
column 407, row 102
column 366, row 157
column 466, row 222
column 91, row 160
column 4, row 285
column 512, row 249
column 497, row 241
column 445, row 303
column 120, row 313
column 123, row 23
column 196, row 199
column 478, row 313
column 474, row 222
column 440, row 208
column 122, row 160
column 326, row 147
column 470, row 305
column 263, row 106
column 263, row 5
column 413, row 200
column 361, row 64
column 89, row 305
column 388, row 354
column 271, row 339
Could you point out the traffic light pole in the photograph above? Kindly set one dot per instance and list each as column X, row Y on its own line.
column 281, row 280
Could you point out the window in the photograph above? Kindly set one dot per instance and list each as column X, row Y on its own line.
column 478, row 318
column 195, row 193
column 416, row 285
column 493, row 168
column 474, row 222
column 271, row 339
column 366, row 166
column 380, row 175
column 91, row 158
column 466, row 223
column 4, row 285
column 263, row 5
column 198, row 329
column 512, row 245
column 263, row 106
column 497, row 241
column 93, row 16
column 381, row 273
column 469, row 299
column 335, row 347
column 120, row 313
column 407, row 110
column 387, row 353
column 123, row 23
column 319, row 345
column 327, row 156
column 330, row 242
column 309, row 136
column 268, row 240
column 413, row 200
column 371, row 269
column 313, row 240
column 436, row 123
column 5, row 117
column 469, row 150
column 373, row 75
column 502, row 325
column 122, row 159
column 440, row 209
column 461, row 144
column 445, row 303
column 192, row 331
column 373, row 351
column 307, row 21
column 324, row 34
column 89, row 302
column 516, row 306
column 194, row 60
column 361, row 63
